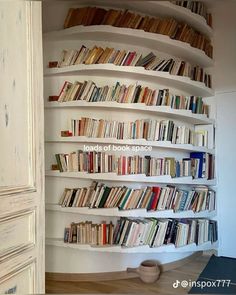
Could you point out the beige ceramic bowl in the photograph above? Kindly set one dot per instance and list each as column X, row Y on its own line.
column 148, row 271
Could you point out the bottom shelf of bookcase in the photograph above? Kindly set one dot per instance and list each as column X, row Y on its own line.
column 140, row 249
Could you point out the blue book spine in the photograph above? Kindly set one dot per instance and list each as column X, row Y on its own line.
column 183, row 200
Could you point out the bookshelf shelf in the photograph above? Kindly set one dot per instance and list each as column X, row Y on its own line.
column 134, row 37
column 132, row 178
column 158, row 8
column 135, row 142
column 115, row 212
column 137, row 73
column 140, row 249
column 184, row 115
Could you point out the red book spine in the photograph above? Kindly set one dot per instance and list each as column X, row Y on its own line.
column 104, row 233
column 63, row 87
column 157, row 191
column 123, row 165
column 53, row 64
column 91, row 162
column 53, row 98
column 129, row 59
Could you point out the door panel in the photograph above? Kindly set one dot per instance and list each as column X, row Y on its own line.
column 15, row 97
column 21, row 148
column 20, row 281
column 23, row 223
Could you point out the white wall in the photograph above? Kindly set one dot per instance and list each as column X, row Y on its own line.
column 225, row 85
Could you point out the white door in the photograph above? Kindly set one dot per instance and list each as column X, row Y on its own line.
column 21, row 148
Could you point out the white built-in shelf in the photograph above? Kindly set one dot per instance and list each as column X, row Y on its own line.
column 131, row 178
column 140, row 249
column 137, row 73
column 165, row 111
column 153, row 41
column 115, row 212
column 156, row 8
column 135, row 142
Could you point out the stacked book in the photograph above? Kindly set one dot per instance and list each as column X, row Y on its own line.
column 148, row 129
column 198, row 165
column 156, row 198
column 139, row 232
column 89, row 16
column 197, row 7
column 98, row 55
column 88, row 91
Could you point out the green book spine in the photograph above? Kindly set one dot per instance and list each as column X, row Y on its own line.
column 121, row 206
column 59, row 162
column 104, row 197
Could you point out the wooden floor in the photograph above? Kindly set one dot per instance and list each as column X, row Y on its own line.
column 164, row 285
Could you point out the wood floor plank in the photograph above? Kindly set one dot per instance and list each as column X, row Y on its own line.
column 164, row 285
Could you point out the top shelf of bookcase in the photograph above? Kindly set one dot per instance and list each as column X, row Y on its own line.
column 133, row 37
column 156, row 8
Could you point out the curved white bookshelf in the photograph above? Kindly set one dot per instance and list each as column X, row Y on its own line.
column 131, row 178
column 135, row 142
column 115, row 212
column 137, row 73
column 157, row 8
column 183, row 84
column 134, row 37
column 140, row 249
column 184, row 115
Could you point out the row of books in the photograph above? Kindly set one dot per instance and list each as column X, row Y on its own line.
column 138, row 232
column 197, row 7
column 134, row 93
column 89, row 16
column 99, row 195
column 148, row 129
column 198, row 165
column 89, row 233
column 98, row 55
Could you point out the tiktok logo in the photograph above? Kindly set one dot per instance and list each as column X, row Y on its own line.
column 176, row 284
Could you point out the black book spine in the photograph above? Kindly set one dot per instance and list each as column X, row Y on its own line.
column 72, row 198
column 127, row 232
column 118, row 224
column 104, row 197
column 137, row 94
column 148, row 159
column 120, row 229
column 154, row 236
column 168, row 230
column 173, row 232
column 197, row 232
